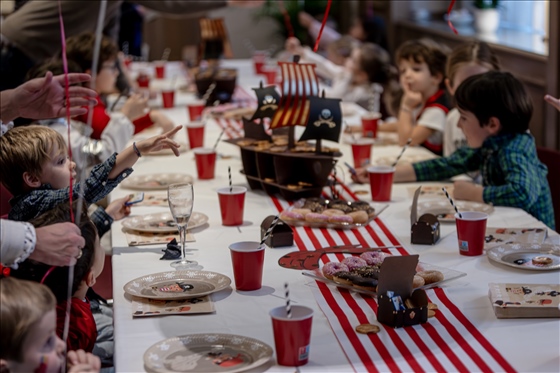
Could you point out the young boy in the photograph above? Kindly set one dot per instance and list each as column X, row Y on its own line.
column 79, row 49
column 424, row 104
column 34, row 167
column 28, row 342
column 494, row 115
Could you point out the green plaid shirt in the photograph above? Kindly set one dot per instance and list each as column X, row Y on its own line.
column 512, row 175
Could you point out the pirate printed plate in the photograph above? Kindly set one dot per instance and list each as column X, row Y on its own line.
column 155, row 181
column 207, row 353
column 177, row 284
column 520, row 255
column 445, row 213
column 161, row 222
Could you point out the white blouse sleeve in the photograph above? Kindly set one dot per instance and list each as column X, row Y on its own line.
column 17, row 242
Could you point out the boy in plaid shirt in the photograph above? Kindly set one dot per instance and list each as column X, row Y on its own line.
column 495, row 112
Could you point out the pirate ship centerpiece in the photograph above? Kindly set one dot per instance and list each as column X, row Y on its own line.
column 273, row 160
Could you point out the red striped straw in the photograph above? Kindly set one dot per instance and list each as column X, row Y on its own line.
column 325, row 17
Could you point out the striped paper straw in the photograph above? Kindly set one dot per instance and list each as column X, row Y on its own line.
column 288, row 305
column 451, row 201
column 402, row 152
column 229, row 176
column 269, row 230
column 218, row 140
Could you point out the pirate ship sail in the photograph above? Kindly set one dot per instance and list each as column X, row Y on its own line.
column 276, row 164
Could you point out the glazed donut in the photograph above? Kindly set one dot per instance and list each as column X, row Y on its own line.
column 418, row 281
column 333, row 212
column 340, row 219
column 542, row 260
column 302, row 211
column 316, row 218
column 431, row 276
column 373, row 258
column 359, row 217
column 291, row 216
column 354, row 262
column 332, row 268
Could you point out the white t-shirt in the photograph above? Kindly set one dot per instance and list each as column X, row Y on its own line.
column 433, row 118
column 453, row 136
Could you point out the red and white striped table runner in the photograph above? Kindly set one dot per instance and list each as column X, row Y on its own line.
column 448, row 342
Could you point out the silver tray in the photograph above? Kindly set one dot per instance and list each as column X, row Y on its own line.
column 207, row 353
column 177, row 284
column 520, row 255
column 448, row 275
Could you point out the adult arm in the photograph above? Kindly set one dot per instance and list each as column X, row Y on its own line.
column 555, row 102
column 43, row 98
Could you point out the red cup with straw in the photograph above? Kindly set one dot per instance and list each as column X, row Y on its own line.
column 248, row 261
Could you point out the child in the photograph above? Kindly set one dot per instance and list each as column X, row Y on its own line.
column 83, row 332
column 367, row 64
column 80, row 50
column 424, row 104
column 466, row 60
column 35, row 169
column 494, row 115
column 28, row 342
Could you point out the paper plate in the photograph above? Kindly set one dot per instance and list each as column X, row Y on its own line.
column 207, row 353
column 521, row 256
column 161, row 222
column 177, row 284
column 443, row 210
column 158, row 181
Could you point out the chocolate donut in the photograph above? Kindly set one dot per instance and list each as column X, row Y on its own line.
column 343, row 277
column 332, row 268
column 367, row 271
column 340, row 205
column 364, row 283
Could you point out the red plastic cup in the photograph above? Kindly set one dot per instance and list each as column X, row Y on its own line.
column 247, row 258
column 381, row 182
column 270, row 75
column 361, row 151
column 471, row 230
column 259, row 60
column 168, row 98
column 160, row 69
column 195, row 133
column 232, row 202
column 143, row 80
column 369, row 124
column 292, row 336
column 195, row 109
column 205, row 162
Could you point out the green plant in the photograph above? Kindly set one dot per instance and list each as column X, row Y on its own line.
column 486, row 4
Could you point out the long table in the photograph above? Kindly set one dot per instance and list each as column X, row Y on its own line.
column 528, row 345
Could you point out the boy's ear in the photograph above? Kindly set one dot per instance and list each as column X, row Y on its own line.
column 90, row 278
column 448, row 85
column 30, row 180
column 494, row 126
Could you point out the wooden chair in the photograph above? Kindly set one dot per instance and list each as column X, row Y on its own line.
column 551, row 158
column 214, row 41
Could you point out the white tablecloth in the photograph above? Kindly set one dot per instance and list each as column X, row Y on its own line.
column 528, row 344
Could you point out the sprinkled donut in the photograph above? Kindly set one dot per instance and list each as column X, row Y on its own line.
column 354, row 262
column 431, row 276
column 373, row 258
column 291, row 216
column 333, row 212
column 316, row 218
column 340, row 219
column 331, row 268
column 302, row 211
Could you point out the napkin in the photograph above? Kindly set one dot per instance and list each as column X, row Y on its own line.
column 142, row 307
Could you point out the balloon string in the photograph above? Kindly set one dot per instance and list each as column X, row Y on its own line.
column 325, row 17
column 451, row 4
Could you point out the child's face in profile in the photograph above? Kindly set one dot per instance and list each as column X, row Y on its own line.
column 463, row 72
column 416, row 77
column 357, row 30
column 470, row 125
column 41, row 346
column 57, row 170
column 107, row 77
column 354, row 65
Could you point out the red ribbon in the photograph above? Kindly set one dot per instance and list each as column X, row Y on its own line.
column 287, row 21
column 449, row 17
column 325, row 17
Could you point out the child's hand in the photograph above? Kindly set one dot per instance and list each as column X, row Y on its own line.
column 161, row 120
column 553, row 101
column 82, row 362
column 163, row 141
column 117, row 209
column 468, row 191
column 293, row 46
column 305, row 19
column 410, row 98
column 361, row 176
column 135, row 107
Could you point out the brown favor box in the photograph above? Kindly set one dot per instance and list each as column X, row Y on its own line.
column 396, row 275
column 281, row 235
column 426, row 230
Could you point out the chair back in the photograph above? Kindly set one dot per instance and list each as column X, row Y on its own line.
column 214, row 39
column 551, row 159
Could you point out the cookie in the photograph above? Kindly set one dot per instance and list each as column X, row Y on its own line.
column 431, row 313
column 367, row 328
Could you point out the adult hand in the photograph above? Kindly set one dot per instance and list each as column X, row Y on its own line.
column 58, row 244
column 162, row 141
column 43, row 98
column 305, row 19
column 80, row 362
column 117, row 209
column 361, row 176
column 135, row 107
column 555, row 102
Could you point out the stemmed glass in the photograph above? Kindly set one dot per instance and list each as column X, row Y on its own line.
column 181, row 198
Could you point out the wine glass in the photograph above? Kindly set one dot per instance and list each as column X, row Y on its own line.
column 181, row 198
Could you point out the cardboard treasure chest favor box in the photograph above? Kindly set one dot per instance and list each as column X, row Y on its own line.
column 426, row 229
